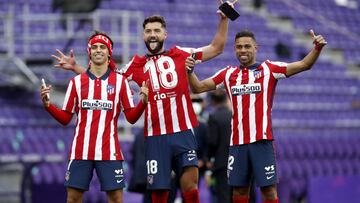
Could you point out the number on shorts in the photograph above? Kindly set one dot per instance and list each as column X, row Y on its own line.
column 151, row 166
column 230, row 162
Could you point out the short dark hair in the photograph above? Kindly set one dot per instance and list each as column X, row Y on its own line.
column 98, row 32
column 153, row 19
column 245, row 33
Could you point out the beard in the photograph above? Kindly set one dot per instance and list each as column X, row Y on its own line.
column 158, row 47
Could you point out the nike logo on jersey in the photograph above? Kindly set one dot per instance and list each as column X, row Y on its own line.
column 119, row 181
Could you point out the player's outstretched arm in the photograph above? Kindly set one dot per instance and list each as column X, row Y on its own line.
column 308, row 61
column 217, row 45
column 61, row 116
column 67, row 62
column 196, row 85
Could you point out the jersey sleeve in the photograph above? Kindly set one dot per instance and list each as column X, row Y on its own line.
column 219, row 76
column 134, row 70
column 61, row 116
column 198, row 53
column 277, row 69
column 127, row 70
column 126, row 95
column 70, row 100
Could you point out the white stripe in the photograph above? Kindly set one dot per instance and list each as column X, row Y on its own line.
column 186, row 112
column 239, row 108
column 188, row 49
column 148, row 119
column 100, row 134
column 88, row 122
column 79, row 116
column 67, row 95
column 160, row 109
column 252, row 121
column 174, row 117
column 69, row 164
column 265, row 96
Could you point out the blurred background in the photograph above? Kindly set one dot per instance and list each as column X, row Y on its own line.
column 316, row 114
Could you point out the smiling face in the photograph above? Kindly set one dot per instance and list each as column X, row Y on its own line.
column 245, row 50
column 154, row 36
column 99, row 54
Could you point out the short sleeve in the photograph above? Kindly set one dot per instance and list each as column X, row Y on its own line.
column 70, row 100
column 277, row 69
column 126, row 95
column 219, row 76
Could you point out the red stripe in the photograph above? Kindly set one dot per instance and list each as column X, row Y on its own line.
column 180, row 113
column 259, row 108
column 84, row 81
column 245, row 108
column 145, row 121
column 271, row 91
column 155, row 119
column 167, row 115
column 191, row 112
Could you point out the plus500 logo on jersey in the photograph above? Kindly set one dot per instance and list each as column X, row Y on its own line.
column 96, row 104
column 246, row 89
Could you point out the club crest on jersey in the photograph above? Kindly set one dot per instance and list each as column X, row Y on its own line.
column 246, row 89
column 96, row 104
column 258, row 74
column 110, row 89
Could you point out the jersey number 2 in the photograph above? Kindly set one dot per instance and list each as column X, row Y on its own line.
column 167, row 77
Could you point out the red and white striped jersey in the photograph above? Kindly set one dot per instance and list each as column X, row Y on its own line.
column 251, row 91
column 169, row 108
column 97, row 103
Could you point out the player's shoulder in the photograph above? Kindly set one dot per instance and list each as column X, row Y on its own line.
column 135, row 62
column 187, row 50
column 137, row 59
column 271, row 63
column 230, row 68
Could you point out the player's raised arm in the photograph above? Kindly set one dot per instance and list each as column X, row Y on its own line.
column 196, row 85
column 67, row 62
column 217, row 45
column 309, row 60
column 61, row 116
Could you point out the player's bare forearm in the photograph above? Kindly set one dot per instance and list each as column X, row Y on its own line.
column 305, row 64
column 198, row 86
column 217, row 45
column 79, row 69
column 308, row 61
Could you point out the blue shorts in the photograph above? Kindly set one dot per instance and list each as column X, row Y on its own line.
column 255, row 160
column 80, row 172
column 166, row 153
